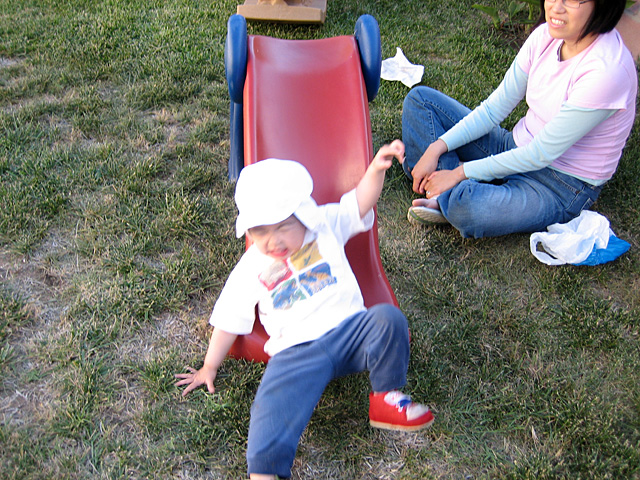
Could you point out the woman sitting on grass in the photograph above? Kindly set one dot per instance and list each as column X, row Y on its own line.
column 580, row 84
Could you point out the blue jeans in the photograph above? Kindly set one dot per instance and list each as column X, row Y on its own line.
column 524, row 202
column 376, row 340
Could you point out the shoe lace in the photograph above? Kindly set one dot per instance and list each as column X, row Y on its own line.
column 405, row 402
column 398, row 399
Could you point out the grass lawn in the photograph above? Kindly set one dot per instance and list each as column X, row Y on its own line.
column 117, row 233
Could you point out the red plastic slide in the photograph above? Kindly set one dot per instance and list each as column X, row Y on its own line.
column 307, row 100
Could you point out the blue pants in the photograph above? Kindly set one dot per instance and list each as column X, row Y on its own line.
column 525, row 202
column 376, row 340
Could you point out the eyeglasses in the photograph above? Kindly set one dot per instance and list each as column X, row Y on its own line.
column 570, row 3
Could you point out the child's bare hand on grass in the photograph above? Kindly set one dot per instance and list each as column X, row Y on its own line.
column 204, row 376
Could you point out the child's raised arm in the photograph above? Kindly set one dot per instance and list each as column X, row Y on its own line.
column 370, row 186
column 219, row 346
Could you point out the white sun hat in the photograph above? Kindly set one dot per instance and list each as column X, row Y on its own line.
column 270, row 191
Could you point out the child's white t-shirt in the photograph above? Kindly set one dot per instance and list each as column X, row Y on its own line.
column 303, row 298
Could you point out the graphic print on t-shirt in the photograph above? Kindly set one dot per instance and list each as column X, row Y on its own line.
column 303, row 275
column 317, row 278
column 277, row 273
column 306, row 256
column 287, row 294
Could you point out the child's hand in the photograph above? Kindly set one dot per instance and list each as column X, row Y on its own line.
column 370, row 185
column 204, row 376
column 384, row 158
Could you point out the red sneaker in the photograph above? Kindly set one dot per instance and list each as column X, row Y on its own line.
column 394, row 410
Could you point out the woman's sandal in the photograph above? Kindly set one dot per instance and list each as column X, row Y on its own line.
column 425, row 216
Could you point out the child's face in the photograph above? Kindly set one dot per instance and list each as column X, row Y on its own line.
column 280, row 240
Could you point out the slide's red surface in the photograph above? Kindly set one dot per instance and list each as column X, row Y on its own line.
column 306, row 100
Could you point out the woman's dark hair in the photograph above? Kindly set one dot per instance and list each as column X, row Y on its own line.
column 606, row 15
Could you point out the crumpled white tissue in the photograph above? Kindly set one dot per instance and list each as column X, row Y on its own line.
column 399, row 68
column 571, row 242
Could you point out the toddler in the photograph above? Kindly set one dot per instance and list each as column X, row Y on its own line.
column 311, row 307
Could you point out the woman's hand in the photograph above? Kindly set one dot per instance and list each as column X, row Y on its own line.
column 443, row 180
column 427, row 165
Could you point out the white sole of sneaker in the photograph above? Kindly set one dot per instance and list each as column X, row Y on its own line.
column 398, row 428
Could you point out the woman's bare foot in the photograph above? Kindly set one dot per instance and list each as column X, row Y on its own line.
column 426, row 202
